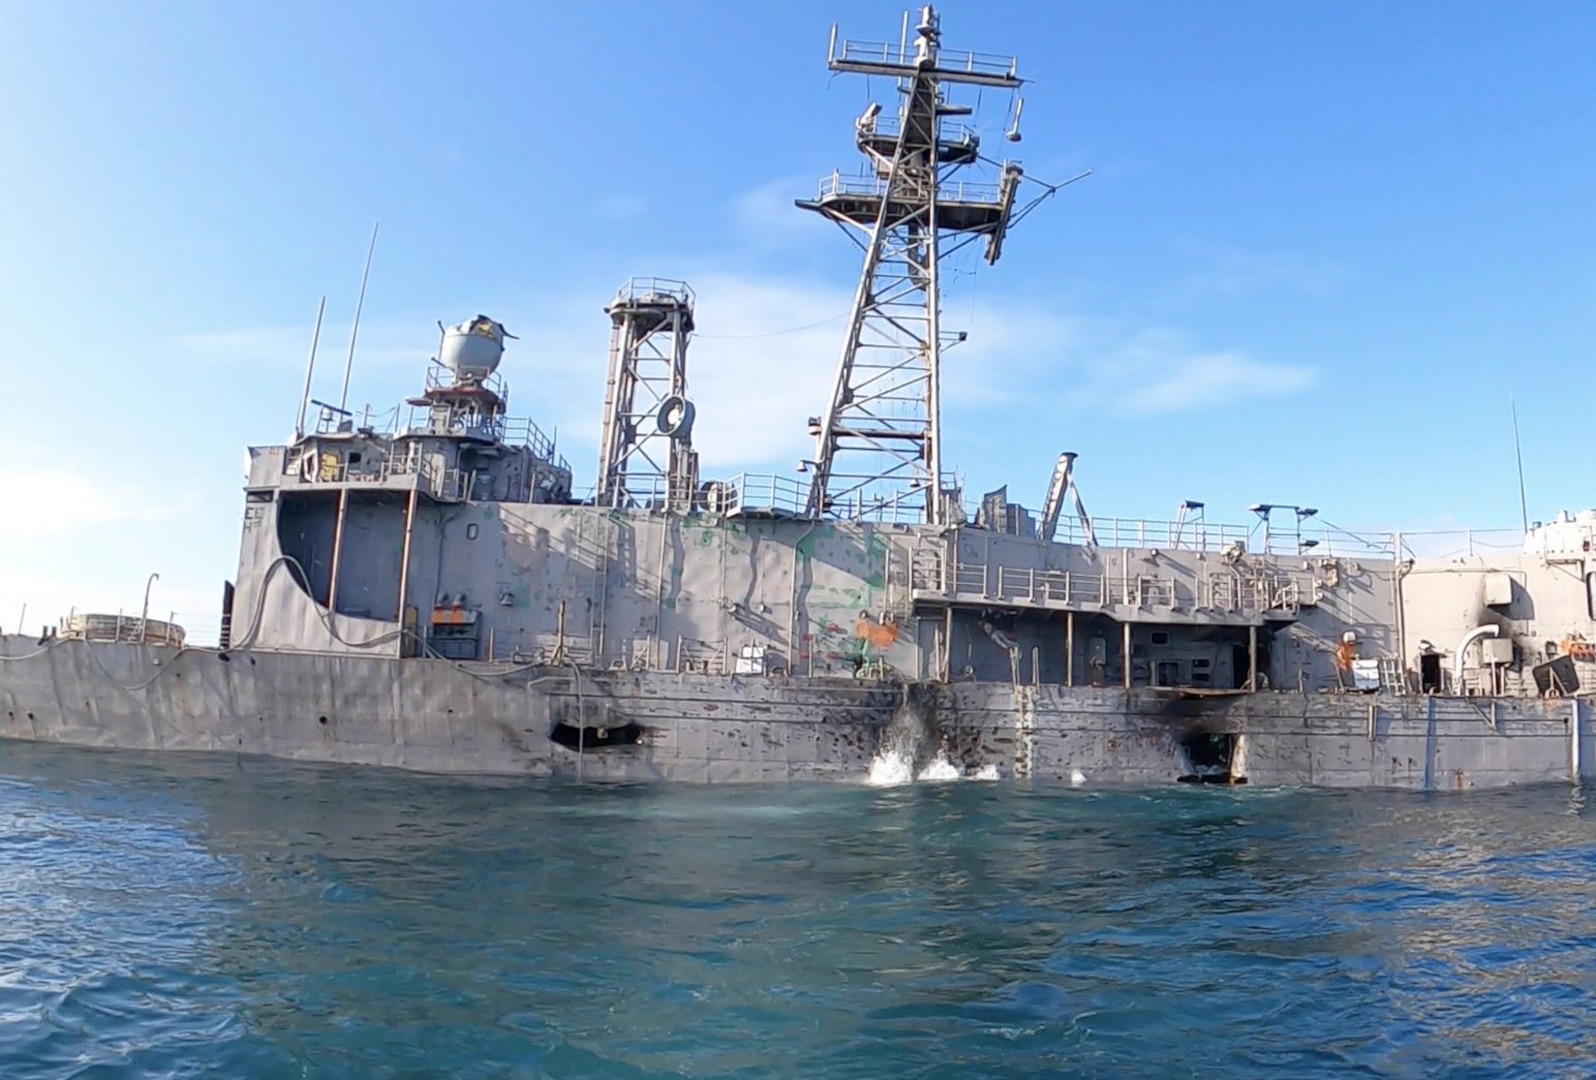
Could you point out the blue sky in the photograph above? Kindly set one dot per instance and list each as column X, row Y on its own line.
column 1323, row 245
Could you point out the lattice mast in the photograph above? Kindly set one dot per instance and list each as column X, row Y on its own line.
column 878, row 450
column 646, row 450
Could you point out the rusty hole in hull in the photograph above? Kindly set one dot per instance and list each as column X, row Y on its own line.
column 596, row 738
column 1211, row 757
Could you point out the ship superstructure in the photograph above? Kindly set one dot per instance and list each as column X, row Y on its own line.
column 439, row 595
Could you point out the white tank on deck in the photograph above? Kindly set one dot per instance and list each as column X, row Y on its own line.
column 472, row 349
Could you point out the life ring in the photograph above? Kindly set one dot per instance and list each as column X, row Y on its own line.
column 717, row 496
column 675, row 418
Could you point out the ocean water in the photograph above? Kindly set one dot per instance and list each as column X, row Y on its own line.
column 212, row 916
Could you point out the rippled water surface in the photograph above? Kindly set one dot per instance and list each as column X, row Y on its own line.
column 209, row 916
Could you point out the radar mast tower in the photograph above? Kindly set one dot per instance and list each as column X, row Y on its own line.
column 878, row 448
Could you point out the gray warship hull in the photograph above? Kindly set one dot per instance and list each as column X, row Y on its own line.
column 438, row 716
column 436, row 595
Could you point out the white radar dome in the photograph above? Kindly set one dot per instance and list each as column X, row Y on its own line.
column 472, row 349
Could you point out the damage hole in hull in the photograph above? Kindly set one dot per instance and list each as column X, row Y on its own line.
column 595, row 738
column 1210, row 758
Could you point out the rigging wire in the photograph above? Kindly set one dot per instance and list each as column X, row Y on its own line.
column 770, row 333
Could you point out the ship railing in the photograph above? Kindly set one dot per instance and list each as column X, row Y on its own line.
column 553, row 654
column 890, row 127
column 421, row 420
column 400, row 466
column 696, row 656
column 952, row 61
column 1315, row 542
column 878, row 512
column 1239, row 594
column 775, row 495
column 444, row 484
column 335, row 421
column 959, row 191
column 133, row 629
column 1454, row 544
column 440, row 377
column 514, row 431
column 642, row 491
column 755, row 494
column 655, row 290
column 201, row 629
column 521, row 431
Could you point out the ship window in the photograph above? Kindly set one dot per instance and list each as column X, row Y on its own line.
column 354, row 457
column 1201, row 678
column 1160, row 637
column 1590, row 595
column 1201, row 663
column 471, row 531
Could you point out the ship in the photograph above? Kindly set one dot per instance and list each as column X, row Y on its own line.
column 438, row 595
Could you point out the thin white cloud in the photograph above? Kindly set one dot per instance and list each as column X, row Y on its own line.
column 30, row 601
column 1199, row 380
column 1232, row 272
column 383, row 344
column 766, row 350
column 1160, row 371
column 766, row 217
column 41, row 503
column 761, row 364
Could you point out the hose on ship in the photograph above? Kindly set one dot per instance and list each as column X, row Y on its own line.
column 36, row 652
column 242, row 643
column 327, row 620
column 323, row 614
column 248, row 638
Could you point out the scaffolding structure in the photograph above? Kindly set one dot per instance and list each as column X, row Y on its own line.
column 878, row 447
column 646, row 458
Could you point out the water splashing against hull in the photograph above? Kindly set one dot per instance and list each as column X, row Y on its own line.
column 912, row 746
column 908, row 744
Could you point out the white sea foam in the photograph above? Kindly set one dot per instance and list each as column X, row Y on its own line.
column 891, row 768
column 940, row 769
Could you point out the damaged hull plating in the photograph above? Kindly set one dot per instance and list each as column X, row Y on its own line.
column 439, row 716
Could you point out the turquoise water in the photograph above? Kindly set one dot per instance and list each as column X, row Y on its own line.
column 218, row 917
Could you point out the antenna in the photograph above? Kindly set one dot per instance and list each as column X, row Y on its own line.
column 310, row 369
column 354, row 331
column 1518, row 450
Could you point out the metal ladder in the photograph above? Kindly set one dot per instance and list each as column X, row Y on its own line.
column 1392, row 675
